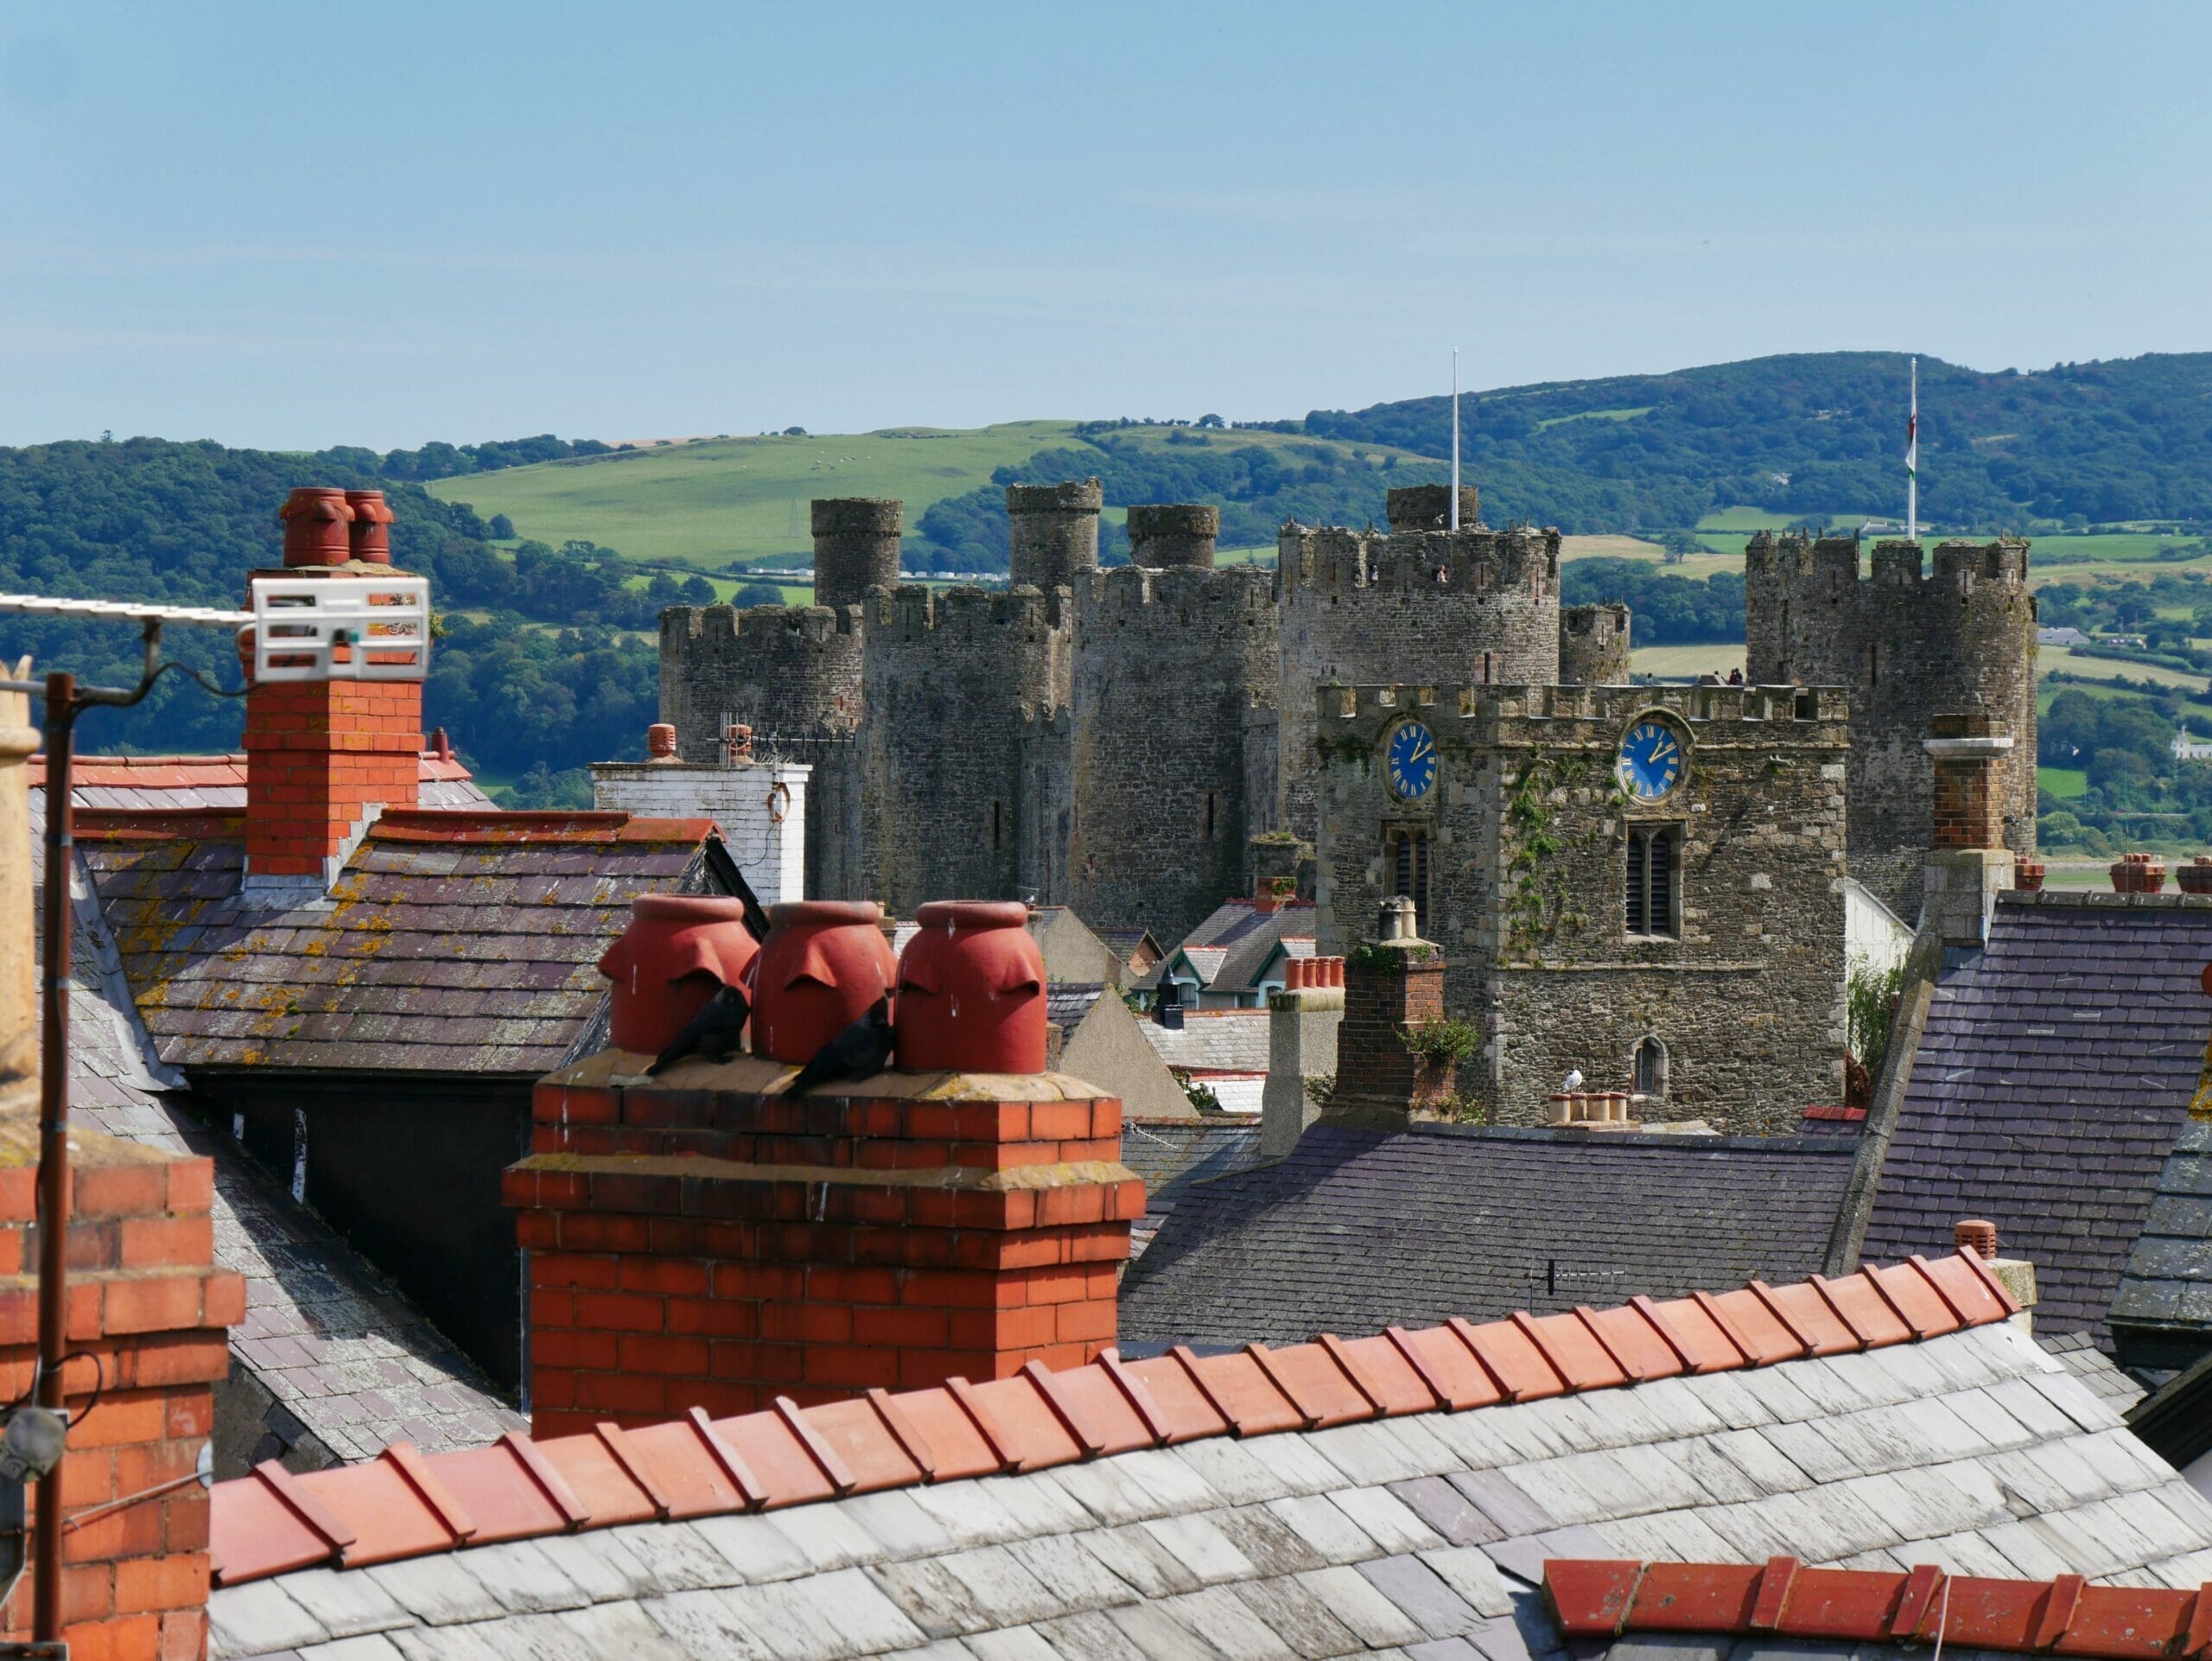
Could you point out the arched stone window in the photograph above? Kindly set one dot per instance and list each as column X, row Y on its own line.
column 1649, row 1067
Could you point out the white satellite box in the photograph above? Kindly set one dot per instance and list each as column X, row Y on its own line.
column 350, row 628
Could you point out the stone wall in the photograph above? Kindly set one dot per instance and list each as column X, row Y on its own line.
column 786, row 671
column 855, row 547
column 1168, row 667
column 1359, row 609
column 1053, row 533
column 1165, row 534
column 1906, row 643
column 951, row 678
column 1528, row 842
column 1593, row 646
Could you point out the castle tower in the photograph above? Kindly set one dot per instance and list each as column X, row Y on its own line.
column 791, row 673
column 1175, row 688
column 1053, row 532
column 1593, row 646
column 856, row 548
column 1428, row 507
column 952, row 681
column 1167, row 535
column 1905, row 640
column 1423, row 606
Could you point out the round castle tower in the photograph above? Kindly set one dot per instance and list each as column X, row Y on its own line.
column 1164, row 536
column 1594, row 648
column 1053, row 533
column 1428, row 507
column 855, row 547
column 1909, row 643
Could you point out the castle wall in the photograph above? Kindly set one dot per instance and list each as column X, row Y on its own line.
column 951, row 678
column 1169, row 667
column 1416, row 606
column 1958, row 639
column 1593, row 646
column 1167, row 534
column 1528, row 846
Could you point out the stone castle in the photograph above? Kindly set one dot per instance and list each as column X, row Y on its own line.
column 1141, row 743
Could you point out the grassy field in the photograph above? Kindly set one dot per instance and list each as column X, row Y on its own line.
column 1686, row 662
column 2065, row 783
column 704, row 503
column 2060, row 657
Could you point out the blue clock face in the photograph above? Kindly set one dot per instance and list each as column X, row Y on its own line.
column 1412, row 760
column 1651, row 759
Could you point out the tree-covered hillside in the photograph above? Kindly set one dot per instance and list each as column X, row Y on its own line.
column 183, row 524
column 1823, row 435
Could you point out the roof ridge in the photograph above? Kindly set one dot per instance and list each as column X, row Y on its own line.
column 1594, row 1598
column 762, row 1460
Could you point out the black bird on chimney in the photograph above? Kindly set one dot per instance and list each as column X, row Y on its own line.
column 860, row 1051
column 716, row 1032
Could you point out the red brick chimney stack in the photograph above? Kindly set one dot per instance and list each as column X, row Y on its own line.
column 324, row 757
column 1968, row 864
column 1392, row 985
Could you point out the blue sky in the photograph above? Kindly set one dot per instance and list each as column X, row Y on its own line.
column 296, row 225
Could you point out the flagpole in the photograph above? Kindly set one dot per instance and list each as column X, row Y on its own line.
column 1455, row 438
column 1912, row 461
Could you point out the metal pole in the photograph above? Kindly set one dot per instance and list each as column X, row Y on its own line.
column 53, row 1139
column 1454, row 520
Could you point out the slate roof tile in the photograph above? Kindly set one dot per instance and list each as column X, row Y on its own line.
column 1354, row 1230
column 2053, row 1081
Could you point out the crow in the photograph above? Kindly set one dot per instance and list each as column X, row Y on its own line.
column 714, row 1032
column 860, row 1051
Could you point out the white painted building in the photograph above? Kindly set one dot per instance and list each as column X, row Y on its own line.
column 760, row 806
column 2188, row 749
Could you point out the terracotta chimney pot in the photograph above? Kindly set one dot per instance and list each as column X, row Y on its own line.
column 971, row 990
column 1977, row 1235
column 660, row 740
column 369, row 537
column 2195, row 877
column 317, row 526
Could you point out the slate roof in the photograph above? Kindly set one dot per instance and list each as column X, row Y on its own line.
column 1354, row 1230
column 2166, row 1288
column 1066, row 1003
column 1414, row 1534
column 2078, row 1353
column 1213, row 1041
column 343, row 1364
column 1230, row 948
column 179, row 782
column 2054, row 1075
column 1170, row 1154
column 452, row 942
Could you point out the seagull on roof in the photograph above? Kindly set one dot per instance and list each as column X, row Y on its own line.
column 1573, row 1081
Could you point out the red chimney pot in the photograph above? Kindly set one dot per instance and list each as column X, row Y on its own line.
column 678, row 951
column 660, row 740
column 369, row 537
column 971, row 990
column 824, row 963
column 1977, row 1235
column 316, row 526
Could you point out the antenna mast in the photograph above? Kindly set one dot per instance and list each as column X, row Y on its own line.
column 1455, row 438
column 1912, row 461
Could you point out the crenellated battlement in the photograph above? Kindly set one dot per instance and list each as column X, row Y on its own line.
column 1363, row 712
column 911, row 613
column 1173, row 593
column 1827, row 564
column 1331, row 562
column 706, row 626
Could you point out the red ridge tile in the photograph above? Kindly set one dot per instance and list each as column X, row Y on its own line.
column 1936, row 1284
column 1515, row 1366
column 1774, row 1594
column 1842, row 1603
column 1809, row 1318
column 1695, row 1597
column 1573, row 1352
column 834, row 1469
column 599, row 1480
column 1311, row 1381
column 1332, row 1347
column 787, row 1472
column 2198, row 1640
column 1242, row 1393
column 254, row 1534
column 1700, row 1342
column 1432, row 1377
column 2059, row 1610
column 1988, row 1275
column 1638, row 1348
column 1139, row 1396
column 449, row 1511
column 1921, row 1587
column 557, row 1492
column 336, row 1534
column 856, row 1434
column 904, row 1431
column 987, row 1427
column 1862, row 1307
column 1754, row 1326
column 1379, row 1367
column 1089, row 1443
column 1450, row 1367
column 617, row 1447
column 1185, row 1406
column 751, row 1494
column 1036, row 1437
column 1924, row 1312
column 957, row 1448
column 1991, row 1614
column 1590, row 1597
column 2125, row 1621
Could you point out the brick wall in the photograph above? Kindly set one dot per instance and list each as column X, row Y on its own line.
column 319, row 754
column 147, row 1320
column 1967, row 786
column 718, row 1248
column 1388, row 990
